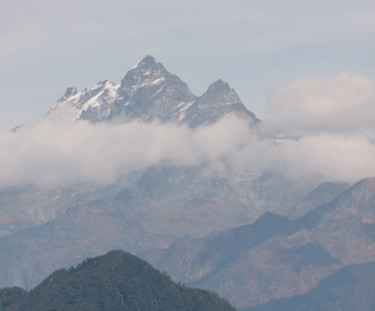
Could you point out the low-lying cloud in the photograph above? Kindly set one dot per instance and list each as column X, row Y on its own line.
column 57, row 154
column 344, row 103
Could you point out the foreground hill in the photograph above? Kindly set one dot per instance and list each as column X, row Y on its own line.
column 115, row 281
column 350, row 288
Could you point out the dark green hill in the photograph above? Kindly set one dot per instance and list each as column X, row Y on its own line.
column 11, row 297
column 115, row 281
column 350, row 288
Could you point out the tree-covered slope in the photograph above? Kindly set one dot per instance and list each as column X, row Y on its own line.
column 115, row 281
column 11, row 297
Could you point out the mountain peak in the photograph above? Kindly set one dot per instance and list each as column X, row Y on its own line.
column 147, row 92
column 219, row 93
column 70, row 91
column 366, row 183
column 147, row 62
column 146, row 69
column 219, row 85
column 363, row 191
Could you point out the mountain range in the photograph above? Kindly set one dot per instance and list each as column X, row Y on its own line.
column 44, row 228
column 149, row 92
column 252, row 235
column 277, row 257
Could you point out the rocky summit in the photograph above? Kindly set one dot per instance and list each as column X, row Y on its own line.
column 149, row 92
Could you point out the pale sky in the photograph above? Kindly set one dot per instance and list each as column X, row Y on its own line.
column 49, row 45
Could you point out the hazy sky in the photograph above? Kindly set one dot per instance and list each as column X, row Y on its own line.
column 48, row 45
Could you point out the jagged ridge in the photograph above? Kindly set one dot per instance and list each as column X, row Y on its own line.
column 149, row 92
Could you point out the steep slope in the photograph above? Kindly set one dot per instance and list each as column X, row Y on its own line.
column 276, row 257
column 115, row 281
column 219, row 99
column 191, row 259
column 324, row 193
column 350, row 288
column 27, row 206
column 149, row 92
column 346, row 225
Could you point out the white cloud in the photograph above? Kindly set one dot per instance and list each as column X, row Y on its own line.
column 342, row 103
column 330, row 157
column 53, row 154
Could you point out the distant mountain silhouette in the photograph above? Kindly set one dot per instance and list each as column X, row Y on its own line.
column 277, row 257
column 350, row 288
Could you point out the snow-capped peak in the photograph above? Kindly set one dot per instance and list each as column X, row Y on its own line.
column 70, row 91
column 147, row 72
column 147, row 92
column 147, row 62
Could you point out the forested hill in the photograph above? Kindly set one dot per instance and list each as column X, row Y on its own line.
column 115, row 281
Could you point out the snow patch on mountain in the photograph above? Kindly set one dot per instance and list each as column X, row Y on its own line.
column 149, row 92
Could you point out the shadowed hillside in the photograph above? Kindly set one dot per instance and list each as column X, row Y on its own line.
column 350, row 288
